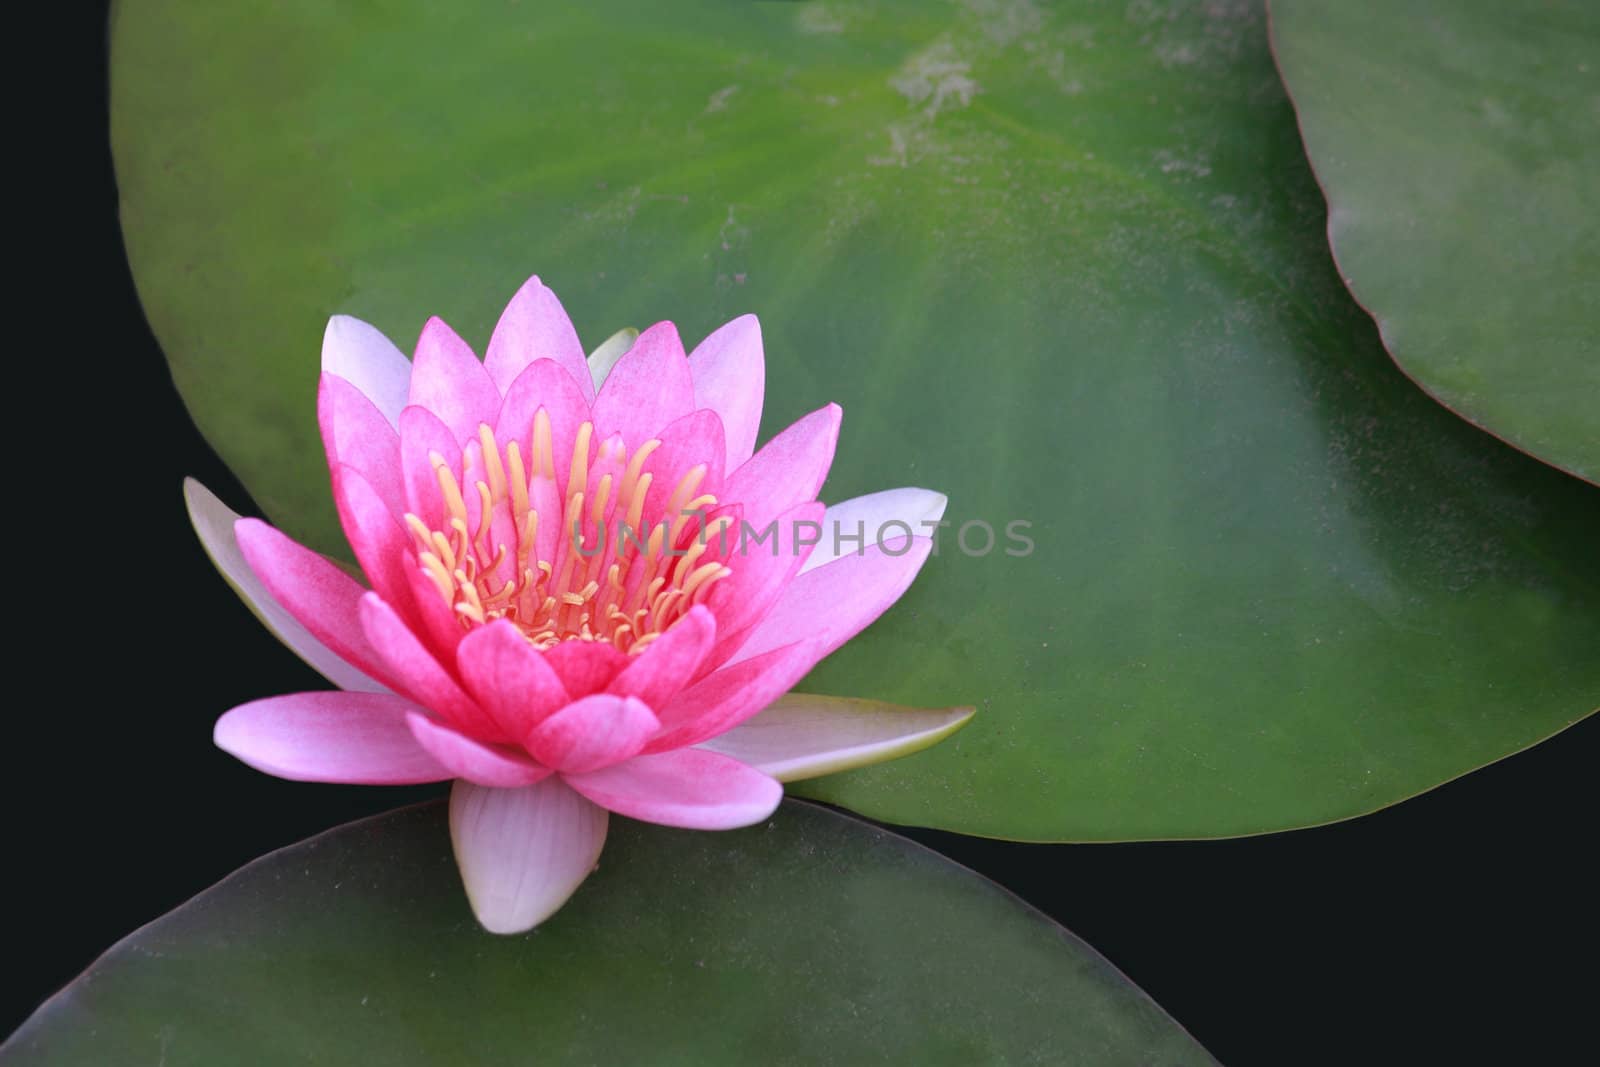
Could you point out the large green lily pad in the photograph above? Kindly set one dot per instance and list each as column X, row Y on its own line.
column 1458, row 142
column 1064, row 263
column 814, row 938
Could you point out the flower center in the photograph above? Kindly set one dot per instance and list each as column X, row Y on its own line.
column 585, row 565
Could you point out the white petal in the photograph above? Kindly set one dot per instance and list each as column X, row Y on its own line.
column 613, row 348
column 805, row 736
column 867, row 514
column 361, row 355
column 523, row 852
column 213, row 521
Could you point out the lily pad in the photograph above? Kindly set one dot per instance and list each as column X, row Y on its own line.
column 814, row 938
column 1064, row 263
column 1458, row 143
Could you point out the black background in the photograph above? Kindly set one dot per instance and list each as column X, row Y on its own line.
column 1457, row 927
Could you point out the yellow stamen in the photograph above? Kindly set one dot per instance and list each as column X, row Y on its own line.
column 575, row 595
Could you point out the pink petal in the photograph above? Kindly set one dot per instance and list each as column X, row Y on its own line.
column 667, row 663
column 691, row 788
column 789, row 470
column 761, row 572
column 511, row 679
column 478, row 763
column 729, row 375
column 433, row 619
column 214, row 522
column 835, row 602
column 324, row 599
column 523, row 852
column 727, row 697
column 423, row 435
column 354, row 738
column 448, row 380
column 364, row 357
column 418, row 674
column 358, row 435
column 543, row 384
column 692, row 441
column 873, row 516
column 381, row 546
column 591, row 733
column 647, row 389
column 585, row 667
column 535, row 326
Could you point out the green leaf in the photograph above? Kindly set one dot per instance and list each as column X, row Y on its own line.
column 1458, row 142
column 1065, row 265
column 813, row 938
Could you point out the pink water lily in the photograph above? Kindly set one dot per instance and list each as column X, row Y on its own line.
column 563, row 615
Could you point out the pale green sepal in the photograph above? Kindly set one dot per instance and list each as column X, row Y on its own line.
column 805, row 736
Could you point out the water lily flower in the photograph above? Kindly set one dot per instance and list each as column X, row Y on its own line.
column 561, row 614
